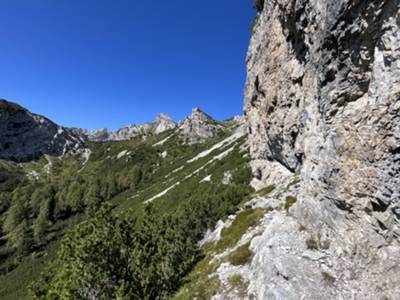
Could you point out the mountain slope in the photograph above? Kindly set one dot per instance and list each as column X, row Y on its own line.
column 41, row 200
column 25, row 136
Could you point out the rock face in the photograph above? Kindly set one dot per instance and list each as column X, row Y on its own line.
column 162, row 124
column 25, row 136
column 199, row 126
column 323, row 101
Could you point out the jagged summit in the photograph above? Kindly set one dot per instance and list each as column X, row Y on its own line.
column 26, row 136
column 195, row 128
column 164, row 123
column 160, row 125
column 197, row 113
column 199, row 126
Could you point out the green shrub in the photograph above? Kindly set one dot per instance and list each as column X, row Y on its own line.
column 236, row 281
column 267, row 190
column 328, row 278
column 243, row 221
column 290, row 200
column 312, row 244
column 199, row 283
column 241, row 255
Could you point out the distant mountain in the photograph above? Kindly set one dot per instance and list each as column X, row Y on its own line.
column 195, row 128
column 160, row 125
column 199, row 126
column 26, row 136
column 191, row 186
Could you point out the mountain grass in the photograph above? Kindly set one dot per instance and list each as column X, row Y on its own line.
column 231, row 235
column 241, row 256
column 236, row 281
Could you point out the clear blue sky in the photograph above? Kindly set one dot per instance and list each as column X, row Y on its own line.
column 108, row 63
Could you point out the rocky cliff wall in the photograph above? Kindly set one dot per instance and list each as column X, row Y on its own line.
column 323, row 101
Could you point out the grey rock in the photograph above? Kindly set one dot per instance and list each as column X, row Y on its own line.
column 161, row 124
column 25, row 136
column 199, row 126
column 164, row 123
column 322, row 101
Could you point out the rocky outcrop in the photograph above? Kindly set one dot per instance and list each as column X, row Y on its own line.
column 25, row 136
column 323, row 101
column 199, row 126
column 162, row 123
column 193, row 129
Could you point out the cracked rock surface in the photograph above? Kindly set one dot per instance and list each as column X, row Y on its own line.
column 322, row 100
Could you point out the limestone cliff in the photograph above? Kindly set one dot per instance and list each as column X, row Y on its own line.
column 323, row 102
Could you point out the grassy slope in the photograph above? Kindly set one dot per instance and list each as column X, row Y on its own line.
column 104, row 160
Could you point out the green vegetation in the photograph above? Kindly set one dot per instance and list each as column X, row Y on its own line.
column 295, row 181
column 236, row 281
column 328, row 278
column 107, row 233
column 290, row 200
column 231, row 235
column 312, row 244
column 109, row 257
column 265, row 191
column 9, row 107
column 241, row 256
column 199, row 284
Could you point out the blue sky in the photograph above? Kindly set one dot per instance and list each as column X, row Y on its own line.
column 108, row 63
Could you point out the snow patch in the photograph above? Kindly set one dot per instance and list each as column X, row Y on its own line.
column 123, row 153
column 162, row 193
column 227, row 178
column 206, row 179
column 163, row 141
column 215, row 236
column 86, row 156
column 217, row 157
column 49, row 164
column 226, row 142
column 32, row 174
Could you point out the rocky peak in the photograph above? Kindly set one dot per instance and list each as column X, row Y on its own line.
column 164, row 123
column 26, row 136
column 160, row 125
column 201, row 116
column 199, row 126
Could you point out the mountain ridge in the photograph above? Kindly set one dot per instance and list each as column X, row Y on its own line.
column 26, row 136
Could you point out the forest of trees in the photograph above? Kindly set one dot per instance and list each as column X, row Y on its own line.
column 141, row 254
column 32, row 210
column 119, row 257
